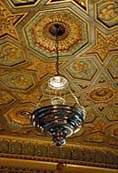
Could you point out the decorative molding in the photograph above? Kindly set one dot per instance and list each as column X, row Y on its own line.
column 37, row 150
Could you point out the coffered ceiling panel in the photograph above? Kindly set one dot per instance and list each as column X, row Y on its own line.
column 88, row 48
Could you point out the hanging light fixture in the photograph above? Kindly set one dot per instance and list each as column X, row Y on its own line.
column 60, row 113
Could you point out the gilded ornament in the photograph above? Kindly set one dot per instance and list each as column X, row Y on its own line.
column 101, row 94
column 39, row 35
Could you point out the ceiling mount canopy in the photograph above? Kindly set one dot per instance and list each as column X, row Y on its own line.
column 59, row 113
column 57, row 29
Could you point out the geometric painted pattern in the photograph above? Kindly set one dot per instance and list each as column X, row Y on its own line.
column 88, row 52
column 7, row 22
column 81, row 3
column 104, row 45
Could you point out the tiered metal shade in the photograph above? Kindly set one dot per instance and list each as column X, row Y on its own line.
column 60, row 121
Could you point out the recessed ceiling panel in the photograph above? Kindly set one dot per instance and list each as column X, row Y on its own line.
column 107, row 12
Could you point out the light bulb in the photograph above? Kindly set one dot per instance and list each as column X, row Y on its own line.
column 57, row 82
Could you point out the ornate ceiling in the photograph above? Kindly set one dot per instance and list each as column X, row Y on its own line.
column 89, row 59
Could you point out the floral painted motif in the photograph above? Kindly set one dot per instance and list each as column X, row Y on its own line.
column 108, row 12
column 11, row 55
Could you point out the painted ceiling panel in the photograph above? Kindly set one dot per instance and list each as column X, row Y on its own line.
column 88, row 51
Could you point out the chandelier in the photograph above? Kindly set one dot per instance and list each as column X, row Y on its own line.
column 60, row 113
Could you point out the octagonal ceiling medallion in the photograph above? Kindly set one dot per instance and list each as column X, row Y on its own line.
column 38, row 32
